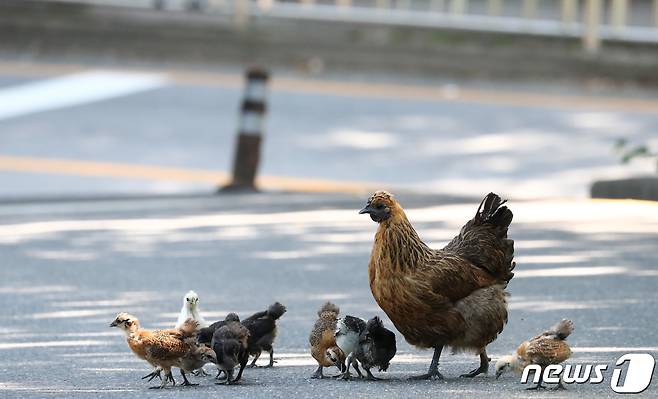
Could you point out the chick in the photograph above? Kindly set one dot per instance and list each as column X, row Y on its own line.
column 376, row 347
column 262, row 331
column 348, row 334
column 190, row 310
column 204, row 336
column 323, row 340
column 163, row 349
column 550, row 347
column 230, row 345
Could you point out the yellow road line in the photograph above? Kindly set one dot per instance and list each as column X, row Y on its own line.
column 187, row 175
column 372, row 90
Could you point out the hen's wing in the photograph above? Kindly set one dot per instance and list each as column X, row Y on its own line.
column 446, row 278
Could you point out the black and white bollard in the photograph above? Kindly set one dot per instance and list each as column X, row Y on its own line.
column 250, row 132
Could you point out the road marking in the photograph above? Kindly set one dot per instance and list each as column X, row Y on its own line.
column 188, row 175
column 445, row 93
column 76, row 89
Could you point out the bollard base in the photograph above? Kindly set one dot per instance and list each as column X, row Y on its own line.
column 237, row 189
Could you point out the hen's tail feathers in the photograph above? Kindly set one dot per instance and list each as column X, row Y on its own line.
column 328, row 307
column 562, row 329
column 276, row 310
column 492, row 211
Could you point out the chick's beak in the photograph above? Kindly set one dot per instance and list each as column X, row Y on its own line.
column 499, row 373
column 114, row 324
column 366, row 209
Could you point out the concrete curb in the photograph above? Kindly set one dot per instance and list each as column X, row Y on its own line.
column 641, row 188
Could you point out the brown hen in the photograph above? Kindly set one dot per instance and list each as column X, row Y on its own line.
column 449, row 297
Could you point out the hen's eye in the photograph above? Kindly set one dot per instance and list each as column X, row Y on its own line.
column 380, row 206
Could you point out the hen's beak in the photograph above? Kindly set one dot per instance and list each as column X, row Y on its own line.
column 367, row 209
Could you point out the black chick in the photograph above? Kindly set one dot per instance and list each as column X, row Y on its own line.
column 204, row 335
column 262, row 330
column 376, row 347
column 230, row 345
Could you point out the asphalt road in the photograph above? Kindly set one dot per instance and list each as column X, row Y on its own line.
column 441, row 137
column 69, row 267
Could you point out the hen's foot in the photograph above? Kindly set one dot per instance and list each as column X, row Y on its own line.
column 477, row 371
column 188, row 384
column 428, row 376
column 317, row 374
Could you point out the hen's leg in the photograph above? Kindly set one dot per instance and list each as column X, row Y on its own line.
column 253, row 363
column 560, row 386
column 484, row 366
column 243, row 364
column 318, row 373
column 186, row 383
column 433, row 371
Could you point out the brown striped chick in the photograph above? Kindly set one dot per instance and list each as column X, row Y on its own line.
column 162, row 349
column 323, row 340
column 550, row 347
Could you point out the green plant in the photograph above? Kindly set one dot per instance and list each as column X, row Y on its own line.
column 629, row 151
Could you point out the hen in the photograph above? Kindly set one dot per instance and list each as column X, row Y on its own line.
column 163, row 349
column 323, row 342
column 376, row 347
column 550, row 347
column 262, row 331
column 454, row 296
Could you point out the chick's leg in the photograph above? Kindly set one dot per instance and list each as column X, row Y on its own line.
column 370, row 376
column 272, row 361
column 346, row 375
column 433, row 371
column 356, row 367
column 156, row 373
column 253, row 363
column 539, row 385
column 483, row 369
column 186, row 383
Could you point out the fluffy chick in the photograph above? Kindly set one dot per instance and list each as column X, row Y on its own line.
column 376, row 347
column 262, row 331
column 323, row 340
column 348, row 334
column 163, row 349
column 549, row 347
column 190, row 310
column 204, row 336
column 230, row 345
